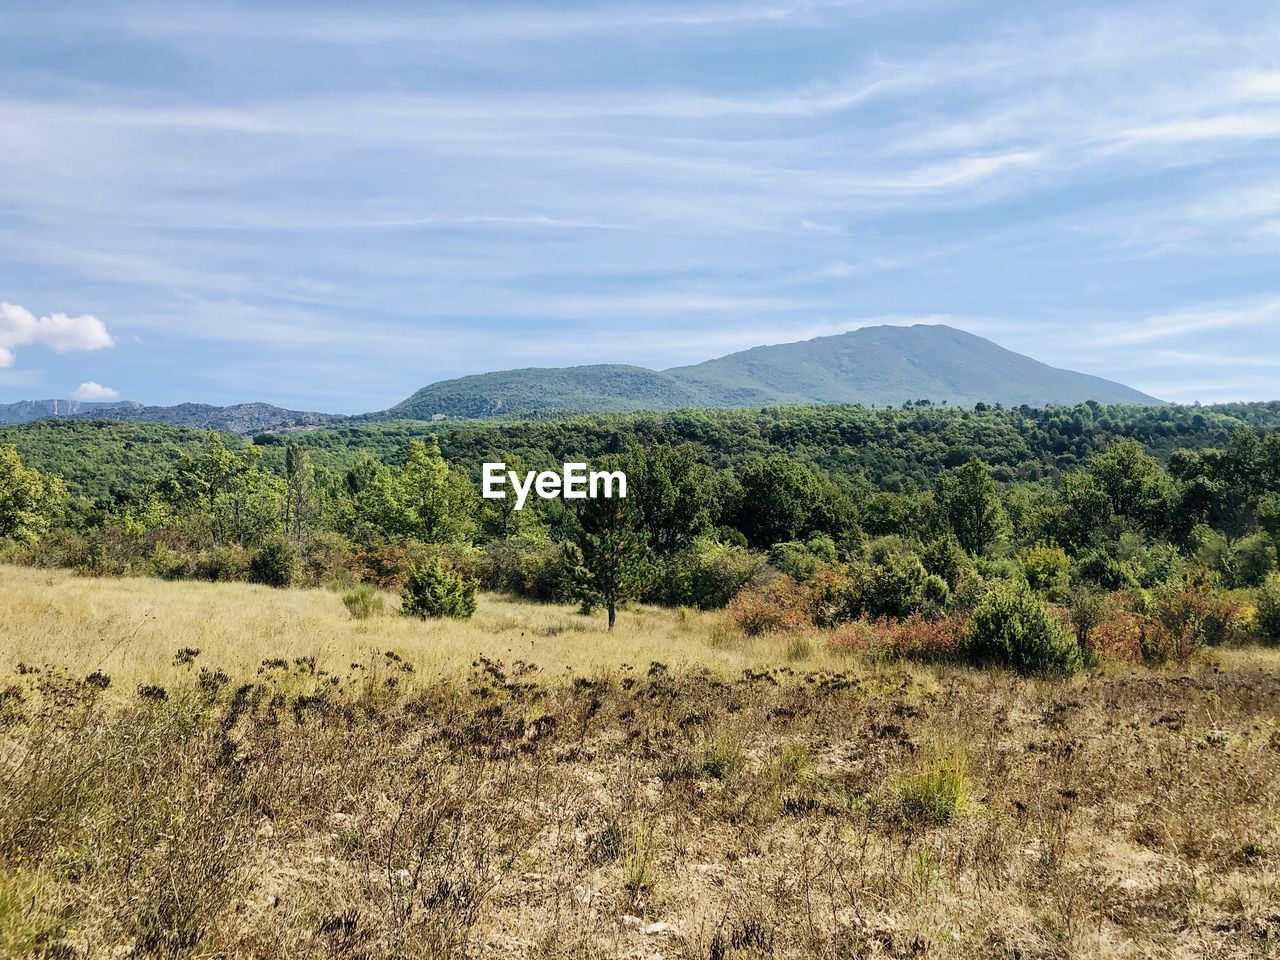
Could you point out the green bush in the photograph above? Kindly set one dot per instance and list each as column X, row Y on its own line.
column 433, row 590
column 1161, row 563
column 795, row 560
column 275, row 563
column 1251, row 561
column 1106, row 571
column 362, row 601
column 1268, row 616
column 706, row 575
column 230, row 562
column 1012, row 628
column 1047, row 569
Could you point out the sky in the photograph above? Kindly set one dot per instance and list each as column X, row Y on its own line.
column 328, row 206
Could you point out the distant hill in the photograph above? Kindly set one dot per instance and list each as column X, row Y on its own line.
column 24, row 411
column 873, row 366
column 243, row 418
column 882, row 366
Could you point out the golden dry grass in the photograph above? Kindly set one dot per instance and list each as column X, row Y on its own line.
column 130, row 628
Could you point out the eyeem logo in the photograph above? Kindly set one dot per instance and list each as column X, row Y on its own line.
column 572, row 483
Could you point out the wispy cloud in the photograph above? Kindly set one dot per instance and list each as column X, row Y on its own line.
column 1199, row 319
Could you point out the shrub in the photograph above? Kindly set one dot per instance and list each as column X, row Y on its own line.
column 1118, row 638
column 706, row 575
column 433, row 590
column 779, row 606
column 1046, row 568
column 1012, row 628
column 325, row 559
column 362, row 601
column 170, row 564
column 1160, row 564
column 915, row 638
column 223, row 563
column 1251, row 561
column 1088, row 611
column 275, row 563
column 533, row 572
column 1268, row 617
column 795, row 560
column 945, row 558
column 1106, row 571
column 891, row 583
column 1182, row 618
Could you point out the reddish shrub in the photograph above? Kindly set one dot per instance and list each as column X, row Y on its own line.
column 778, row 606
column 915, row 638
column 1118, row 636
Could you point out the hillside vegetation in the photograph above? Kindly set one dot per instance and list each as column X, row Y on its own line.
column 897, row 449
column 871, row 366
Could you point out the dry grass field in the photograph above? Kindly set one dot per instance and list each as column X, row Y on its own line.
column 196, row 770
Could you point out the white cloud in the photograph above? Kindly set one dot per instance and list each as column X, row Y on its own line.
column 1198, row 319
column 1259, row 85
column 1230, row 127
column 19, row 327
column 94, row 391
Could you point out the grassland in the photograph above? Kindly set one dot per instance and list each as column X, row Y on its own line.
column 202, row 770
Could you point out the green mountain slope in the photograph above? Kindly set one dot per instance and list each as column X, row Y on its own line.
column 883, row 366
column 891, row 365
column 601, row 388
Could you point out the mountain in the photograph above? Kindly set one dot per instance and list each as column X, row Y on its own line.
column 241, row 418
column 874, row 366
column 25, row 411
column 882, row 366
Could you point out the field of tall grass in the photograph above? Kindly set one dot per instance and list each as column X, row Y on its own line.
column 130, row 628
column 203, row 770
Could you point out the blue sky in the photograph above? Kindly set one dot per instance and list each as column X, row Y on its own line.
column 329, row 206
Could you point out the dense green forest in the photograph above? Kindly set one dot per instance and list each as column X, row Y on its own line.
column 892, row 449
column 1166, row 519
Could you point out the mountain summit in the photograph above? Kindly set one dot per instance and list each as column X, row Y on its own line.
column 884, row 366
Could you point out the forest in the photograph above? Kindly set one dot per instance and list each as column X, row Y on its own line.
column 1042, row 539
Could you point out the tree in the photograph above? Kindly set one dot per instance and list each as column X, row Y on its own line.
column 202, row 477
column 424, row 499
column 226, row 496
column 28, row 498
column 609, row 555
column 672, row 495
column 1082, row 513
column 970, row 505
column 500, row 520
column 777, row 500
column 1135, row 483
column 300, row 479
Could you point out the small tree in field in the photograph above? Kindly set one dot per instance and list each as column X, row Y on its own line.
column 433, row 590
column 609, row 558
column 275, row 563
column 1011, row 628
